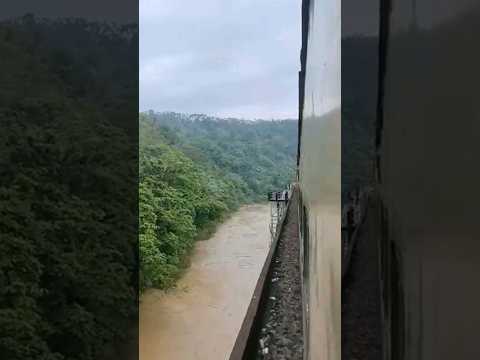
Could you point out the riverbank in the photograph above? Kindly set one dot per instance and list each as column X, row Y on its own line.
column 200, row 318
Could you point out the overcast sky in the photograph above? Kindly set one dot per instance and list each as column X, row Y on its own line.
column 228, row 58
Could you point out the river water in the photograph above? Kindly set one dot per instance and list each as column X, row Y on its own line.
column 200, row 318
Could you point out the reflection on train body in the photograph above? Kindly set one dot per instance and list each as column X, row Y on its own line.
column 319, row 178
column 425, row 130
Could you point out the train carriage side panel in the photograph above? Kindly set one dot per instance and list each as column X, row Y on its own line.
column 319, row 180
column 428, row 147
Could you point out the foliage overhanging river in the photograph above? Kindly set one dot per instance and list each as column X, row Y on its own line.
column 201, row 317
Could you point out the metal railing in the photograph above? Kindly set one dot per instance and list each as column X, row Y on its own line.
column 278, row 205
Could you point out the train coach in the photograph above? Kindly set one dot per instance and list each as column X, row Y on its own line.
column 409, row 71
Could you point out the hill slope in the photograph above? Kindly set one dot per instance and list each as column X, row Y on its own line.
column 261, row 154
column 193, row 171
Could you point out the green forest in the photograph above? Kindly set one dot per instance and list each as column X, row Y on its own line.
column 194, row 171
column 70, row 179
column 68, row 188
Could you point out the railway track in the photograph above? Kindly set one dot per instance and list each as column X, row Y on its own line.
column 273, row 325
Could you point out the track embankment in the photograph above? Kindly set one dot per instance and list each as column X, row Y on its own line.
column 273, row 327
column 281, row 325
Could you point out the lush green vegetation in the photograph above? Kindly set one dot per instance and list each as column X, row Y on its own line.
column 196, row 169
column 178, row 198
column 260, row 155
column 69, row 198
column 68, row 195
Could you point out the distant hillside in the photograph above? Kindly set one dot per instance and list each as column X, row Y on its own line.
column 194, row 170
column 258, row 154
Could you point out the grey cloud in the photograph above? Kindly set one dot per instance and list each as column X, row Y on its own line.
column 230, row 58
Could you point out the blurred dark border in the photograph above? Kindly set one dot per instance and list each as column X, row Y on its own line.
column 410, row 130
column 69, row 180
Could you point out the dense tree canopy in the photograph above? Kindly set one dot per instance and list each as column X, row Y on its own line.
column 193, row 171
column 67, row 210
column 260, row 154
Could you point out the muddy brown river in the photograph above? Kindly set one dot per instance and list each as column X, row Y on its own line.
column 200, row 318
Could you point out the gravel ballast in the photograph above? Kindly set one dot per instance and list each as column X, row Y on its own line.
column 281, row 334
